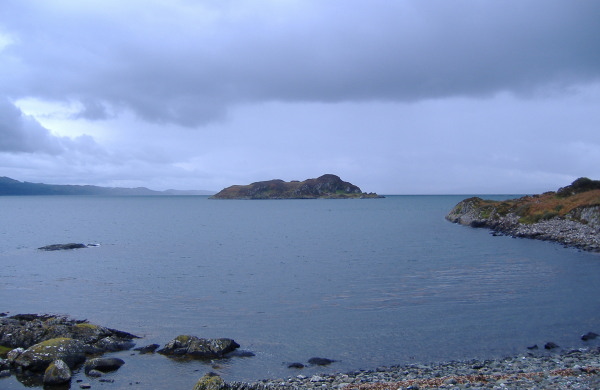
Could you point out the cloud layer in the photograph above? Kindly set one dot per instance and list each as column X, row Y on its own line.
column 187, row 62
column 179, row 84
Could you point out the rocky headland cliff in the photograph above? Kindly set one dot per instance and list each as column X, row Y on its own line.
column 570, row 216
column 326, row 186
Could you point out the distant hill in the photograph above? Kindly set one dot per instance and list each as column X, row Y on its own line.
column 10, row 186
column 326, row 186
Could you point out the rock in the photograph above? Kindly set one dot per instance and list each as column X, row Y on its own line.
column 589, row 336
column 14, row 354
column 58, row 372
column 114, row 344
column 59, row 247
column 317, row 361
column 147, row 349
column 4, row 373
column 39, row 356
column 295, row 365
column 211, row 381
column 103, row 364
column 533, row 347
column 94, row 374
column 197, row 347
column 85, row 386
column 25, row 330
column 550, row 345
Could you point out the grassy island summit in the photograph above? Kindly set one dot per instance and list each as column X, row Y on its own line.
column 326, row 187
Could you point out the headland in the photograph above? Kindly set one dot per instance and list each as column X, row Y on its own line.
column 570, row 216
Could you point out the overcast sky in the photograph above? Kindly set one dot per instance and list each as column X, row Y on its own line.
column 395, row 96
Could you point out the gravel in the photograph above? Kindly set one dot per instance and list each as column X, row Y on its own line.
column 574, row 369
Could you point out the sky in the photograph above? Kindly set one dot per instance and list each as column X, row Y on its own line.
column 397, row 97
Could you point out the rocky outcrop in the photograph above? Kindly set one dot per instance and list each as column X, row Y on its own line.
column 195, row 347
column 42, row 345
column 25, row 330
column 570, row 217
column 326, row 186
column 62, row 247
column 44, row 349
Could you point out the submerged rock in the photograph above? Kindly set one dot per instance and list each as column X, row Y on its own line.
column 147, row 349
column 103, row 364
column 192, row 346
column 589, row 336
column 317, row 361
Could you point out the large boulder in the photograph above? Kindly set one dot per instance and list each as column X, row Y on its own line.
column 192, row 346
column 39, row 356
column 58, row 372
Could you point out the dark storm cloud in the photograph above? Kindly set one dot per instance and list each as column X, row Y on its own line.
column 189, row 62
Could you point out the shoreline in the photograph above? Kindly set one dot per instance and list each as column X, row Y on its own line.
column 566, row 232
column 567, row 369
column 548, row 367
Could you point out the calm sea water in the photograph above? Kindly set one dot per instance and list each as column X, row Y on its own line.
column 364, row 282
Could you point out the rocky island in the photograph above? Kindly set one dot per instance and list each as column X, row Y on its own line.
column 570, row 216
column 327, row 186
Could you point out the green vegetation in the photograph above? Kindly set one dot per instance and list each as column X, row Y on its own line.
column 86, row 325
column 532, row 209
column 4, row 351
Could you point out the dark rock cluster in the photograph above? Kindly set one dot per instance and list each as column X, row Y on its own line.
column 44, row 349
column 51, row 346
column 195, row 347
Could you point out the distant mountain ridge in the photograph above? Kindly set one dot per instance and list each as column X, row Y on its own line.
column 327, row 186
column 10, row 186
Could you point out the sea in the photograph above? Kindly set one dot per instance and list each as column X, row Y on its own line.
column 364, row 282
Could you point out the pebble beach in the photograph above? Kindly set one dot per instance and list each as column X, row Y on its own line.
column 567, row 369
